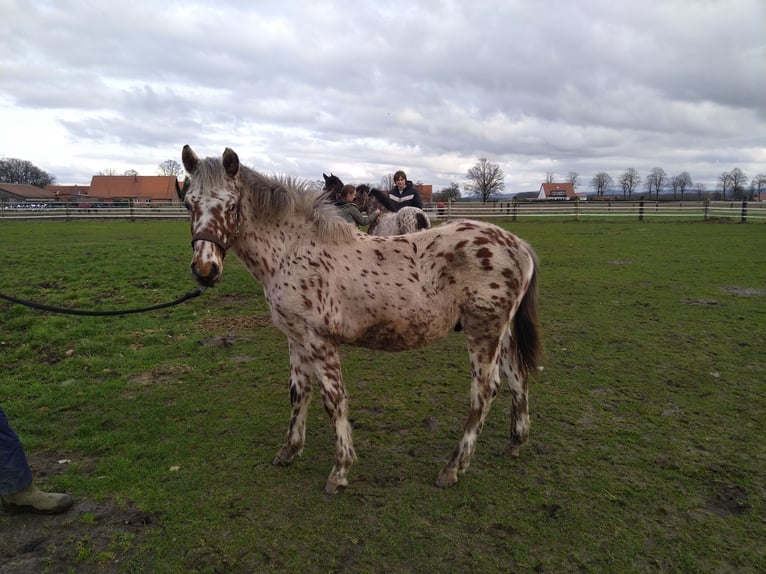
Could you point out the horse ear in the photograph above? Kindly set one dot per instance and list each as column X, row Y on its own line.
column 230, row 162
column 190, row 159
column 326, row 177
column 181, row 191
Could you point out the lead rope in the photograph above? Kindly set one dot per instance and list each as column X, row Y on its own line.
column 66, row 311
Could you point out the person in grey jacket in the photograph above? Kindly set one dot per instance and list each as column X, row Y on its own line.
column 350, row 211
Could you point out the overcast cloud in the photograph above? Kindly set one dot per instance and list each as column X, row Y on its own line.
column 362, row 88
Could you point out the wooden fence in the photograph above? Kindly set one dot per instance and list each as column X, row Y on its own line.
column 732, row 211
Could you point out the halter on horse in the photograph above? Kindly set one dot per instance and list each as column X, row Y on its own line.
column 404, row 292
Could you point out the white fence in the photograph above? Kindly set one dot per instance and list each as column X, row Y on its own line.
column 735, row 211
column 590, row 210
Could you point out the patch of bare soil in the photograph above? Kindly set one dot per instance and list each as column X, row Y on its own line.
column 743, row 291
column 702, row 302
column 90, row 537
column 234, row 323
column 728, row 500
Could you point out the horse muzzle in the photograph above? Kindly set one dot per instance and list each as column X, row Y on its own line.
column 207, row 262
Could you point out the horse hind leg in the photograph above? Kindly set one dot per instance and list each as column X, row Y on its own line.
column 485, row 381
column 512, row 372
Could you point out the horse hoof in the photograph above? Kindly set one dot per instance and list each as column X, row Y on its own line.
column 446, row 478
column 334, row 486
column 285, row 457
column 512, row 450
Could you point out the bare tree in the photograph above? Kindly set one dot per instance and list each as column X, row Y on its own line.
column 549, row 176
column 170, row 167
column 574, row 179
column 629, row 181
column 108, row 171
column 738, row 183
column 451, row 193
column 700, row 188
column 24, row 172
column 600, row 182
column 724, row 183
column 656, row 181
column 680, row 182
column 130, row 172
column 387, row 181
column 485, row 179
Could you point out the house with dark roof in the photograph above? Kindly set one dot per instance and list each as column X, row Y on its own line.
column 17, row 192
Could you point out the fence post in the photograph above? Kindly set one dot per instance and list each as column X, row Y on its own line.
column 515, row 210
column 707, row 209
column 577, row 209
column 743, row 218
column 641, row 209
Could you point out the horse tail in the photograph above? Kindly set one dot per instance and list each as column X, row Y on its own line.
column 526, row 325
column 423, row 221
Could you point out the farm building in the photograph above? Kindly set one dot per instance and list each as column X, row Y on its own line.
column 560, row 191
column 16, row 192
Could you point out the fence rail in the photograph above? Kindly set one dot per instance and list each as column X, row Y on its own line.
column 737, row 211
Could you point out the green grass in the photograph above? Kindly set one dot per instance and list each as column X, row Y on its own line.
column 646, row 451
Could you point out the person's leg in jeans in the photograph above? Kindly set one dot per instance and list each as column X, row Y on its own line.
column 17, row 490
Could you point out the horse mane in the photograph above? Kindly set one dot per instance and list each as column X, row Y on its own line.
column 384, row 199
column 280, row 197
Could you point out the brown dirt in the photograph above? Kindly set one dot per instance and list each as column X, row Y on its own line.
column 90, row 537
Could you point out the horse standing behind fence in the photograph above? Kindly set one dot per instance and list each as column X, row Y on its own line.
column 329, row 284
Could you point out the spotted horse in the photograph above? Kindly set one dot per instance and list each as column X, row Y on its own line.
column 391, row 221
column 329, row 284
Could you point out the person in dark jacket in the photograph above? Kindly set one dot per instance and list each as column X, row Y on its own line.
column 17, row 491
column 350, row 211
column 403, row 193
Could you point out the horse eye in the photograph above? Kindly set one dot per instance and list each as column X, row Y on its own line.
column 232, row 208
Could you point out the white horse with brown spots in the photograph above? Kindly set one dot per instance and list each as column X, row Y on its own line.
column 329, row 284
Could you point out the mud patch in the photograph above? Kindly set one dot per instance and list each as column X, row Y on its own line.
column 728, row 500
column 743, row 291
column 234, row 323
column 701, row 302
column 619, row 261
column 160, row 374
column 90, row 537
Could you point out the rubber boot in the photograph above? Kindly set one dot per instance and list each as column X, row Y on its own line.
column 32, row 499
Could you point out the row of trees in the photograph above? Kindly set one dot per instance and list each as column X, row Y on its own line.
column 24, row 172
column 485, row 179
column 735, row 182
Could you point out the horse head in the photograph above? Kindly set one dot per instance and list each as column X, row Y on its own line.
column 332, row 186
column 362, row 198
column 213, row 200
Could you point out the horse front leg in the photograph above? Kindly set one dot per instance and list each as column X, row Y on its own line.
column 485, row 381
column 300, row 396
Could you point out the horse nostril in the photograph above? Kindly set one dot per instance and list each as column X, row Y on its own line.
column 207, row 276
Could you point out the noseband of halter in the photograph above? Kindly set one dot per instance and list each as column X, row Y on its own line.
column 223, row 245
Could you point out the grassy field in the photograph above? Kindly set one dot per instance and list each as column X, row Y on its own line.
column 646, row 451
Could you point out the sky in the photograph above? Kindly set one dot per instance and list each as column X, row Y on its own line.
column 362, row 88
